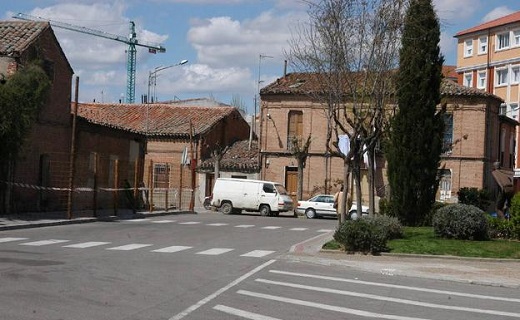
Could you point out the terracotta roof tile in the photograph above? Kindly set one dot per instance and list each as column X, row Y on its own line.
column 306, row 83
column 154, row 119
column 505, row 20
column 239, row 157
column 16, row 36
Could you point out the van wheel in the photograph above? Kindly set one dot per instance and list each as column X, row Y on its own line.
column 226, row 208
column 265, row 210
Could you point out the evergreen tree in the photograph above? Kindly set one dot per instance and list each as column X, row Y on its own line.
column 416, row 135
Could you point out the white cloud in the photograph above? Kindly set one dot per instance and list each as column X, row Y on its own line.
column 449, row 10
column 497, row 13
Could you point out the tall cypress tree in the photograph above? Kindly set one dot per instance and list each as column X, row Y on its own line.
column 416, row 135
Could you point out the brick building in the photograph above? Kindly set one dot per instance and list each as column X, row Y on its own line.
column 176, row 135
column 488, row 58
column 473, row 125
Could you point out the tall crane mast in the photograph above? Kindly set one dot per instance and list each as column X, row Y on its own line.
column 131, row 41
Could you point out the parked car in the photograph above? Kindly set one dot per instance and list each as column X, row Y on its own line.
column 323, row 205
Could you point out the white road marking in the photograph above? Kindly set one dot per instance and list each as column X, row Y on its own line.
column 86, row 245
column 220, row 291
column 172, row 249
column 189, row 222
column 396, row 286
column 322, row 306
column 215, row 251
column 245, row 226
column 163, row 221
column 299, row 229
column 257, row 253
column 128, row 247
column 271, row 227
column 43, row 242
column 11, row 239
column 242, row 313
column 325, row 230
column 389, row 299
column 217, row 224
column 138, row 220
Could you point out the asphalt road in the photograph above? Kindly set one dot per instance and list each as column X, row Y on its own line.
column 211, row 266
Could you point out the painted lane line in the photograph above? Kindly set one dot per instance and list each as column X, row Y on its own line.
column 257, row 253
column 220, row 291
column 190, row 222
column 325, row 306
column 138, row 220
column 215, row 251
column 2, row 240
column 271, row 227
column 396, row 286
column 325, row 230
column 172, row 249
column 242, row 313
column 245, row 226
column 389, row 299
column 43, row 242
column 86, row 245
column 128, row 247
column 217, row 224
column 299, row 229
column 164, row 221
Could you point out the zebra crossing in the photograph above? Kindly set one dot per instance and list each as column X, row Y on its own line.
column 132, row 246
column 223, row 224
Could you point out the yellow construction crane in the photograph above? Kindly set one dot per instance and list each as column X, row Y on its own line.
column 131, row 41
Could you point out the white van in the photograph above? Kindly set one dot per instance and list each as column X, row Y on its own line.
column 231, row 195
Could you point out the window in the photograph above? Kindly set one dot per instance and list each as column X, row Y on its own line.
column 514, row 110
column 268, row 188
column 516, row 38
column 161, row 173
column 515, row 74
column 503, row 41
column 482, row 44
column 468, row 48
column 481, row 81
column 468, row 79
column 445, row 184
column 448, row 133
column 502, row 77
column 295, row 128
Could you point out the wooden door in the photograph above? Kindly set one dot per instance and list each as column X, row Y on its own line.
column 291, row 183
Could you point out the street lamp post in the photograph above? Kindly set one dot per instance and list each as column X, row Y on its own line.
column 152, row 79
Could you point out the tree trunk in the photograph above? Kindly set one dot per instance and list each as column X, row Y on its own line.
column 371, row 182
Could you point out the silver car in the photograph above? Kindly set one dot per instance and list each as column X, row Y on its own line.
column 323, row 205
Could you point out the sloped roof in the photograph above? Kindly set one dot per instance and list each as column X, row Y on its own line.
column 239, row 158
column 505, row 20
column 306, row 83
column 17, row 36
column 155, row 119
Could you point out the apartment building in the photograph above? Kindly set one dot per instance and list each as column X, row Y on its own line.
column 488, row 58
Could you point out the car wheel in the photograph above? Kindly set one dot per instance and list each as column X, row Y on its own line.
column 353, row 215
column 226, row 208
column 207, row 204
column 310, row 213
column 265, row 210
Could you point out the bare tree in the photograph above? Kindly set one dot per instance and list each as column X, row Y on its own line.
column 351, row 48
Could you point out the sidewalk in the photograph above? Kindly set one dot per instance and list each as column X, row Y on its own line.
column 491, row 272
column 503, row 272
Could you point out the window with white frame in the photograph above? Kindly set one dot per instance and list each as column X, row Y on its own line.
column 514, row 110
column 482, row 44
column 515, row 74
column 502, row 77
column 481, row 81
column 516, row 38
column 445, row 184
column 502, row 41
column 468, row 48
column 468, row 79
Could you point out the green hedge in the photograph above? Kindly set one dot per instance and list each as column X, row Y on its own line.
column 461, row 221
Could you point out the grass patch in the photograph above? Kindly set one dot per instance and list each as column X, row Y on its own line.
column 422, row 241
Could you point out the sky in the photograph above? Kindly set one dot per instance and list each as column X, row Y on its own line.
column 233, row 47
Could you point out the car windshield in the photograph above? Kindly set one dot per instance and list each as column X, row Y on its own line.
column 280, row 189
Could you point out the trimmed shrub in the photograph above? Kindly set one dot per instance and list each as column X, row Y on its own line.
column 473, row 196
column 368, row 235
column 461, row 221
column 504, row 229
column 515, row 206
